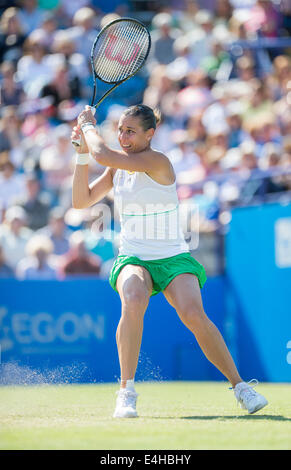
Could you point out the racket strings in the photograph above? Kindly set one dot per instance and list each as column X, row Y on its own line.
column 120, row 51
column 139, row 39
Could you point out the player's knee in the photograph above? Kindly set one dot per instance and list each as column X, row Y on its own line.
column 135, row 299
column 193, row 316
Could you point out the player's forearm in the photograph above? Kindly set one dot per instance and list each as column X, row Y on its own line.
column 97, row 147
column 80, row 189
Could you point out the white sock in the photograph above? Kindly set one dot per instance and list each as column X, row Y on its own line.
column 130, row 385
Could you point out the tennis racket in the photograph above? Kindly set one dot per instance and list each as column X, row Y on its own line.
column 118, row 53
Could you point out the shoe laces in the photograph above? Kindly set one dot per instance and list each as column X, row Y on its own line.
column 249, row 391
column 126, row 397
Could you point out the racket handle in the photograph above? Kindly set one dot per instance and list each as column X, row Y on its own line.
column 93, row 110
column 77, row 142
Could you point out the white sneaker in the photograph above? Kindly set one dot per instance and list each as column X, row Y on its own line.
column 125, row 404
column 248, row 398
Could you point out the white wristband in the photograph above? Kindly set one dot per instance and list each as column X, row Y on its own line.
column 87, row 126
column 82, row 158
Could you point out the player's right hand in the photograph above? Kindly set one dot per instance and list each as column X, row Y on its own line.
column 77, row 134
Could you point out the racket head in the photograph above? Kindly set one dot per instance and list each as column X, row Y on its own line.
column 120, row 50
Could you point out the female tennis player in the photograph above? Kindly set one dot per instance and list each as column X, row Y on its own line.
column 152, row 257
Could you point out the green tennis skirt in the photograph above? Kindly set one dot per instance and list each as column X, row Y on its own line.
column 162, row 271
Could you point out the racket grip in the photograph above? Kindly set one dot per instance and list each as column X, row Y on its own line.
column 77, row 142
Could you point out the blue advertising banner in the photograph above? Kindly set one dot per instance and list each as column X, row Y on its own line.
column 258, row 283
column 52, row 331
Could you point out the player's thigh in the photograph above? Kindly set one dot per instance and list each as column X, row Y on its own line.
column 183, row 293
column 134, row 285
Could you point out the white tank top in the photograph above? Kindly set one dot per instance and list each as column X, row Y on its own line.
column 149, row 217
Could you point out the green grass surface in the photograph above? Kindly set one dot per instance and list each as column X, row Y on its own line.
column 172, row 415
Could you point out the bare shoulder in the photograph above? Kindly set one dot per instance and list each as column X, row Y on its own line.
column 159, row 155
column 164, row 172
column 163, row 161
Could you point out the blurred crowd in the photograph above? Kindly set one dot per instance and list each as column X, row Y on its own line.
column 220, row 73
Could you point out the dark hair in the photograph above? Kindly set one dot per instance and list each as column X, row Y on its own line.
column 149, row 118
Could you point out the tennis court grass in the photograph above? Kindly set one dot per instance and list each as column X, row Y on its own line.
column 173, row 415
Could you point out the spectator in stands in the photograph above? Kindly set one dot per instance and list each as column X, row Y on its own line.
column 285, row 8
column 11, row 92
column 185, row 159
column 5, row 270
column 187, row 15
column 64, row 50
column 62, row 87
column 79, row 261
column 286, row 148
column 57, row 231
column 201, row 39
column 56, row 160
column 4, row 158
column 84, row 30
column 36, row 265
column 236, row 133
column 217, row 63
column 195, row 128
column 259, row 102
column 265, row 19
column 30, row 15
column 184, row 61
column 70, row 7
column 36, row 204
column 5, row 143
column 161, row 91
column 34, row 69
column 237, row 26
column 162, row 137
column 271, row 156
column 223, row 11
column 35, row 120
column 49, row 26
column 281, row 75
column 218, row 138
column 213, row 158
column 271, row 160
column 249, row 160
column 108, row 18
column 36, row 129
column 285, row 163
column 10, row 135
column 245, row 68
column 182, row 156
column 12, row 185
column 14, row 235
column 12, row 35
column 163, row 38
column 263, row 130
column 196, row 95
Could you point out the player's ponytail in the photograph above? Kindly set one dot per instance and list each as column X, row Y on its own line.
column 158, row 116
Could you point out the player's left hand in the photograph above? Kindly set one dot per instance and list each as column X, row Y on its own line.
column 86, row 116
column 77, row 135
